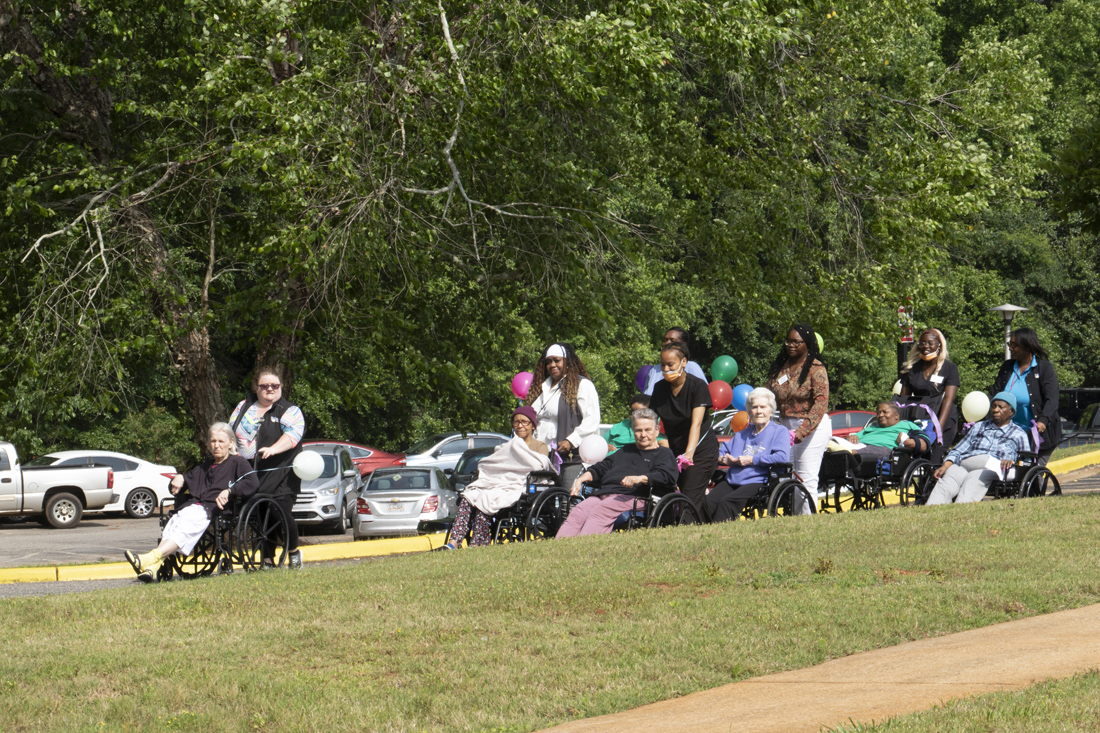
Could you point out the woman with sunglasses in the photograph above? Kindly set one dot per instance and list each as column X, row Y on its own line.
column 933, row 379
column 565, row 401
column 800, row 384
column 1029, row 376
column 500, row 481
column 269, row 429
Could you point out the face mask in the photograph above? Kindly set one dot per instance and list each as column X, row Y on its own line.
column 673, row 376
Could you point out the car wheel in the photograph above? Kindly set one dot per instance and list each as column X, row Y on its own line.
column 63, row 511
column 341, row 525
column 141, row 503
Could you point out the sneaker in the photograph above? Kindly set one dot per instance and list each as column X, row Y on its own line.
column 294, row 560
column 149, row 575
column 134, row 560
column 447, row 546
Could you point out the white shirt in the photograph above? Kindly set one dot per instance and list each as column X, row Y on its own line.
column 546, row 407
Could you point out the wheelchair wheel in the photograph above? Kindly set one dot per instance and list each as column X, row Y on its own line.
column 507, row 529
column 790, row 499
column 1040, row 481
column 261, row 530
column 915, row 483
column 674, row 510
column 202, row 561
column 547, row 514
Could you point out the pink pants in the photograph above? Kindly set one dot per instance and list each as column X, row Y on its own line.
column 597, row 514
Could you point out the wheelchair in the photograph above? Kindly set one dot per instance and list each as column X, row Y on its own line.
column 537, row 514
column 237, row 536
column 1027, row 479
column 661, row 508
column 782, row 495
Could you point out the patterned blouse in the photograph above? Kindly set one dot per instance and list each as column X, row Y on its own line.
column 810, row 401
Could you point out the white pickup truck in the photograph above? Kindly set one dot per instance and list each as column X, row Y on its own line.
column 55, row 495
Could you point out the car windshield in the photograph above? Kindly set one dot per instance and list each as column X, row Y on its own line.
column 424, row 445
column 468, row 463
column 400, row 481
column 41, row 461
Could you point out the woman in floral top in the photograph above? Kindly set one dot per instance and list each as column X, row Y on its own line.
column 801, row 387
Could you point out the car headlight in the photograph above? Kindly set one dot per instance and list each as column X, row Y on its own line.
column 327, row 491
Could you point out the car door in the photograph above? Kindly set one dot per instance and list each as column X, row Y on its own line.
column 449, row 497
column 11, row 496
column 449, row 453
column 349, row 479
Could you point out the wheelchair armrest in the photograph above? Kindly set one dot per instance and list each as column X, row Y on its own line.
column 718, row 475
column 549, row 475
column 1026, row 457
column 781, row 470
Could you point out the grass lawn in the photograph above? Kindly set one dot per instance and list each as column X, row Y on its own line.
column 521, row 637
column 1062, row 705
column 1074, row 450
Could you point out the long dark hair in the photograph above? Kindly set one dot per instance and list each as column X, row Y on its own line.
column 812, row 353
column 1027, row 340
column 570, row 380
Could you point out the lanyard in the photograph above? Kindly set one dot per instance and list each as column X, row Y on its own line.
column 1016, row 376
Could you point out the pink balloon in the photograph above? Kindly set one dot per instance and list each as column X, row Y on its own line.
column 521, row 384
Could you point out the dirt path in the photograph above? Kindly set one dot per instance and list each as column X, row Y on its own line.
column 875, row 685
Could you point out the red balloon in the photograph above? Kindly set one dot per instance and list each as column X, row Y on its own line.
column 739, row 421
column 720, row 394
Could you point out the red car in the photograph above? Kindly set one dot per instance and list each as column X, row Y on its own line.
column 365, row 459
column 846, row 422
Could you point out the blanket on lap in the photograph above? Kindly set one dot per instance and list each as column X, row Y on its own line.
column 501, row 475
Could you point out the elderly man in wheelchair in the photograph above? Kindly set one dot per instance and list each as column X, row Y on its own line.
column 210, row 486
column 889, row 453
column 625, row 481
column 985, row 456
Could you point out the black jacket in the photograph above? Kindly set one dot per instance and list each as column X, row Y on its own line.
column 657, row 464
column 275, row 476
column 1042, row 387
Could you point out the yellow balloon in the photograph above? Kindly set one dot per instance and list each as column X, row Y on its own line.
column 975, row 406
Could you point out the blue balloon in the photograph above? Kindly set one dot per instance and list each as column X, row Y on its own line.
column 740, row 394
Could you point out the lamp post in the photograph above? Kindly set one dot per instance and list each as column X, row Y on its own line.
column 1008, row 312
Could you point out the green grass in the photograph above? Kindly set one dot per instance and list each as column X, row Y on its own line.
column 1064, row 705
column 521, row 637
column 1075, row 450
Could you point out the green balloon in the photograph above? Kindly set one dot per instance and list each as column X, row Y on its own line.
column 820, row 343
column 724, row 369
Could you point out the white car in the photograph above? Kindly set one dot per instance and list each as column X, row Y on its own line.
column 444, row 449
column 141, row 486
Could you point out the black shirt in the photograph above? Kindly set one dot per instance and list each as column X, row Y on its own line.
column 208, row 479
column 931, row 393
column 675, row 412
column 657, row 464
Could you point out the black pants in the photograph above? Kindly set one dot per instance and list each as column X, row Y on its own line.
column 725, row 503
column 694, row 481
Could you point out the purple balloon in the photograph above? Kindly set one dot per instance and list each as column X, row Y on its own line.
column 641, row 377
column 521, row 384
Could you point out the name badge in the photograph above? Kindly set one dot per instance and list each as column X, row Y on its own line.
column 782, row 380
column 936, row 379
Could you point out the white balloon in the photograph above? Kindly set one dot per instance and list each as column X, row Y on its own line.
column 308, row 465
column 593, row 449
column 897, row 387
column 975, row 406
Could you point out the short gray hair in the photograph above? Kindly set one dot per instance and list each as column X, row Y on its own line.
column 643, row 414
column 227, row 431
column 761, row 394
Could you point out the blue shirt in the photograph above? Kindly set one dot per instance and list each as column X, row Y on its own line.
column 655, row 376
column 1017, row 385
column 985, row 438
column 771, row 445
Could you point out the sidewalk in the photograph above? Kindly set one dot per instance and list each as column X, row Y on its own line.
column 876, row 685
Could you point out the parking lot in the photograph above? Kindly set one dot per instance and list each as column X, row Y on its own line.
column 96, row 539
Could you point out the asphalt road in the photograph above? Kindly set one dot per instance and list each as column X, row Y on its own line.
column 96, row 539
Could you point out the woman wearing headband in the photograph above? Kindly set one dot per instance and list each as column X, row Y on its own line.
column 683, row 403
column 929, row 376
column 565, row 401
column 801, row 386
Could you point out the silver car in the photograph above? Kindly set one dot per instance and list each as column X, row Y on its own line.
column 444, row 449
column 329, row 499
column 395, row 500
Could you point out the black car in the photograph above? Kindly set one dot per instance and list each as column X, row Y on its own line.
column 466, row 470
column 1087, row 429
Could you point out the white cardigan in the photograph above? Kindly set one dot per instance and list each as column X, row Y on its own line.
column 546, row 407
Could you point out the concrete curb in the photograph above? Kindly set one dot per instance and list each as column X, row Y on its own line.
column 310, row 553
column 1074, row 463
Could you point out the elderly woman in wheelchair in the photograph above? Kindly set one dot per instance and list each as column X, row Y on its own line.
column 625, row 480
column 984, row 456
column 210, row 486
column 881, row 456
column 751, row 455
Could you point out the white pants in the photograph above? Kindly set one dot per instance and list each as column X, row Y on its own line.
column 965, row 482
column 806, row 456
column 186, row 527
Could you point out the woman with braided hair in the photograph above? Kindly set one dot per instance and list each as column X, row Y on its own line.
column 565, row 401
column 798, row 379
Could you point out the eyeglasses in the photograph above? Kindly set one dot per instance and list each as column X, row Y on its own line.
column 792, row 342
column 1013, row 344
column 928, row 343
column 521, row 423
column 269, row 387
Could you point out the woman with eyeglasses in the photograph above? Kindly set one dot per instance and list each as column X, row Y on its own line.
column 269, row 429
column 683, row 403
column 1029, row 376
column 501, row 478
column 933, row 379
column 565, row 400
column 800, row 384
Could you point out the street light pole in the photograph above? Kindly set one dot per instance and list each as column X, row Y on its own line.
column 1008, row 312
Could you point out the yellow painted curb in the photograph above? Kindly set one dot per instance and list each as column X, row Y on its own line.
column 1074, row 463
column 106, row 571
column 27, row 575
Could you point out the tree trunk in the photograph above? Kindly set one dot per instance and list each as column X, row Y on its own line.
column 282, row 348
